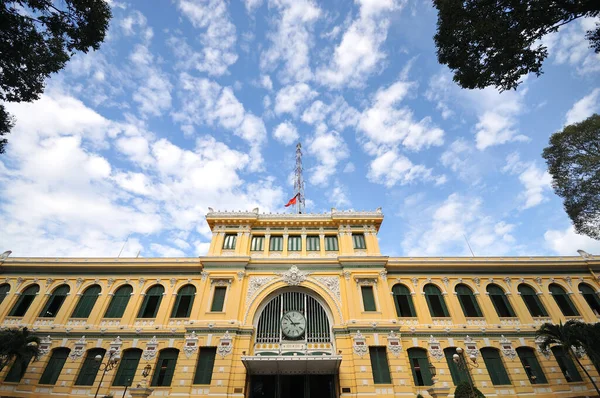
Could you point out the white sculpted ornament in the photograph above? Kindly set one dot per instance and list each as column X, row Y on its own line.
column 294, row 276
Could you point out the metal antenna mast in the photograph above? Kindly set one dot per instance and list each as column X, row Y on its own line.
column 299, row 181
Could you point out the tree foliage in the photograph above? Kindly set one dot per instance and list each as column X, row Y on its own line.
column 18, row 344
column 573, row 159
column 37, row 38
column 495, row 42
column 572, row 336
column 464, row 390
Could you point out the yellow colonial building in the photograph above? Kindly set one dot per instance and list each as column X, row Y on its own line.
column 296, row 305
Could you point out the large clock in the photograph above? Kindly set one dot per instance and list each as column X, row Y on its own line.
column 293, row 324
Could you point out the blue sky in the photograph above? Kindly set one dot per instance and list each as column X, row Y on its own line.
column 195, row 104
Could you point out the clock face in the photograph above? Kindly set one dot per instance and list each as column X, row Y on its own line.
column 293, row 324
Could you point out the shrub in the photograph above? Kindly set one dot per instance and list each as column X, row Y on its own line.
column 463, row 390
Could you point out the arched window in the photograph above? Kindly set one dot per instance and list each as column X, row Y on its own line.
column 151, row 302
column 18, row 369
column 532, row 367
column 495, row 366
column 165, row 367
column 54, row 366
column 403, row 301
column 55, row 301
column 24, row 301
column 419, row 363
column 119, row 302
column 500, row 301
column 86, row 302
column 563, row 300
column 128, row 365
column 184, row 301
column 4, row 289
column 89, row 369
column 566, row 364
column 467, row 301
column 532, row 301
column 435, row 301
column 590, row 297
column 458, row 375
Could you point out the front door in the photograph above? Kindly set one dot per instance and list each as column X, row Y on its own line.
column 292, row 386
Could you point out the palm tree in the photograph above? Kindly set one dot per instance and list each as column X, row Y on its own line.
column 18, row 344
column 569, row 336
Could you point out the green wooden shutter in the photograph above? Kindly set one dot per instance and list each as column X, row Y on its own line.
column 204, row 368
column 257, row 243
column 368, row 298
column 127, row 367
column 402, row 295
column 229, row 242
column 218, row 299
column 532, row 367
column 495, row 366
column 532, row 301
column 24, row 301
column 563, row 300
column 54, row 366
column 151, row 302
column 184, row 302
column 566, row 364
column 55, row 301
column 90, row 367
column 313, row 243
column 276, row 243
column 86, row 302
column 458, row 375
column 294, row 243
column 331, row 243
column 379, row 365
column 435, row 301
column 119, row 302
column 418, row 358
column 165, row 367
column 590, row 297
column 17, row 370
column 467, row 301
column 359, row 241
column 4, row 289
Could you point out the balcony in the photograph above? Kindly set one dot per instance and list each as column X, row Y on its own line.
column 510, row 321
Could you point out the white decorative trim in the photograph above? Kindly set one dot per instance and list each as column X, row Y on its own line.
column 241, row 275
column 294, row 276
column 225, row 345
column 151, row 349
column 255, row 284
column 507, row 348
column 45, row 345
column 435, row 349
column 332, row 284
column 538, row 343
column 359, row 344
column 383, row 274
column 394, row 345
column 477, row 281
column 191, row 344
column 79, row 349
column 471, row 347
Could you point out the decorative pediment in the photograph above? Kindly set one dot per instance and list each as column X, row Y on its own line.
column 151, row 349
column 359, row 344
column 220, row 280
column 394, row 345
column 78, row 349
column 294, row 276
column 366, row 279
column 507, row 348
column 225, row 345
column 191, row 344
column 435, row 349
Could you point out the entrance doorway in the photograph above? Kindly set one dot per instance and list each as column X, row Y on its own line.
column 292, row 386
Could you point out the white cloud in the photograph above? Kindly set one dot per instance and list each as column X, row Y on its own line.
column 536, row 181
column 584, row 108
column 385, row 122
column 290, row 98
column 136, row 23
column 286, row 133
column 339, row 196
column 329, row 148
column 390, row 168
column 218, row 37
column 459, row 158
column 570, row 46
column 338, row 114
column 567, row 242
column 440, row 229
column 349, row 168
column 359, row 54
column 154, row 91
column 252, row 5
column 292, row 40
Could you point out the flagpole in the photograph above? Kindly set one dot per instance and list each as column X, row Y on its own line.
column 299, row 181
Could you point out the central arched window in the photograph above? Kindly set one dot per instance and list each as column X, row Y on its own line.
column 591, row 297
column 119, row 302
column 151, row 302
column 532, row 301
column 403, row 300
column 563, row 300
column 184, row 301
column 308, row 314
column 25, row 300
column 55, row 301
column 467, row 301
column 165, row 367
column 86, row 302
column 435, row 301
column 500, row 301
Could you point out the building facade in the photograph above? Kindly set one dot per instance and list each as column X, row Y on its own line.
column 296, row 305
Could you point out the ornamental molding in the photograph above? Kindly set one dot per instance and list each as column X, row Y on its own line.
column 569, row 280
column 471, row 347
column 151, row 349
column 49, row 281
column 347, row 275
column 45, row 345
column 332, row 284
column 116, row 344
column 394, row 345
column 435, row 349
column 383, row 274
column 172, row 281
column 225, row 345
column 538, row 343
column 538, row 280
column 78, row 349
column 294, row 276
column 221, row 280
column 191, row 344
column 366, row 280
column 79, row 282
column 204, row 275
column 142, row 281
column 415, row 281
column 255, row 284
column 359, row 344
column 507, row 280
column 446, row 281
column 507, row 348
column 477, row 281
